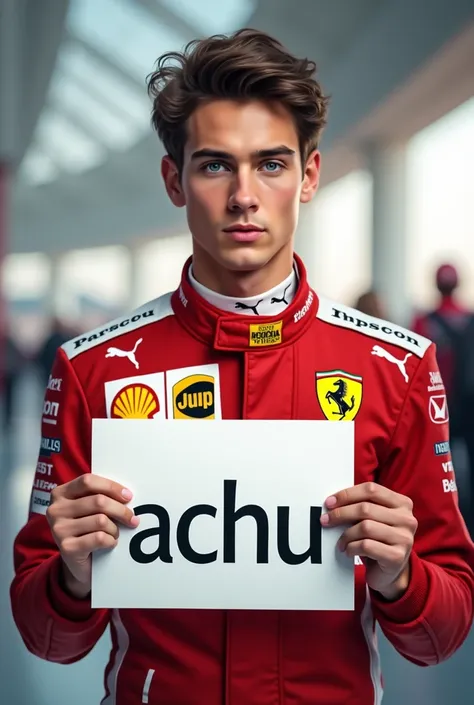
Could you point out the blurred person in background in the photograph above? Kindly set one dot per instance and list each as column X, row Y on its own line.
column 13, row 365
column 451, row 327
column 58, row 334
column 241, row 119
column 371, row 303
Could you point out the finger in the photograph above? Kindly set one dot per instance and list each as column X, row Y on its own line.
column 89, row 484
column 99, row 504
column 382, row 553
column 368, row 529
column 77, row 548
column 369, row 492
column 73, row 528
column 367, row 510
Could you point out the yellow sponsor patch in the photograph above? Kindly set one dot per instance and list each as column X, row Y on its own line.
column 135, row 401
column 264, row 334
column 194, row 398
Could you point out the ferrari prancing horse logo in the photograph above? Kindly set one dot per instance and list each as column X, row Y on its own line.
column 339, row 394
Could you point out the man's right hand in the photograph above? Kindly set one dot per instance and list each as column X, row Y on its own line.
column 82, row 516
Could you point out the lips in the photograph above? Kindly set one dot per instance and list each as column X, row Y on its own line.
column 244, row 233
column 248, row 228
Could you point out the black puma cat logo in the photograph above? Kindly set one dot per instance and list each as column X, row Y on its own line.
column 239, row 304
column 283, row 299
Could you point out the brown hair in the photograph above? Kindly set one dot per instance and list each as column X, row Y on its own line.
column 245, row 65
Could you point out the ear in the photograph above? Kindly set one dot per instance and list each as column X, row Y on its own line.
column 311, row 177
column 170, row 174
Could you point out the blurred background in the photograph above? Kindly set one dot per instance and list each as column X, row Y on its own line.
column 87, row 233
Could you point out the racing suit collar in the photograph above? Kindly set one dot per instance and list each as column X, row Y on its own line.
column 223, row 330
column 269, row 303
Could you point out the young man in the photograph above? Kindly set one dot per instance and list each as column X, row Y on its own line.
column 240, row 119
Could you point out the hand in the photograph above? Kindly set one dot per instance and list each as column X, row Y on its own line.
column 382, row 533
column 82, row 517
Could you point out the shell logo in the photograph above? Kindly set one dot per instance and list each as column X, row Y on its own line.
column 136, row 401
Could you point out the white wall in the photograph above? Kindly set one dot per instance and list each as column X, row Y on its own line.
column 441, row 205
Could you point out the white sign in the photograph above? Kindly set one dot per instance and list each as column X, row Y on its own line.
column 229, row 514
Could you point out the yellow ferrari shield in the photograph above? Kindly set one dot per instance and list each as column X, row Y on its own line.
column 339, row 394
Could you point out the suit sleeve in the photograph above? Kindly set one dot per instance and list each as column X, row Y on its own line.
column 54, row 625
column 432, row 619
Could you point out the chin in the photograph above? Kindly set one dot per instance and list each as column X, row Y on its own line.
column 244, row 260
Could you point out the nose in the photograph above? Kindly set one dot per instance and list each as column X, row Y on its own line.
column 243, row 195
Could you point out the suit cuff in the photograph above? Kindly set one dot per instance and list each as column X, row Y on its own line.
column 61, row 602
column 409, row 607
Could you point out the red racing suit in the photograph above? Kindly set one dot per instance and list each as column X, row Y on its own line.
column 383, row 377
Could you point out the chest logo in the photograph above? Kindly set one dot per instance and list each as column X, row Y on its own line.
column 194, row 397
column 136, row 401
column 264, row 334
column 339, row 394
column 129, row 354
column 381, row 352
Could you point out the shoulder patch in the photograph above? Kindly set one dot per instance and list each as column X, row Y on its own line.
column 143, row 316
column 338, row 315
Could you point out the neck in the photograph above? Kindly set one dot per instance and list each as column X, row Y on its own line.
column 241, row 284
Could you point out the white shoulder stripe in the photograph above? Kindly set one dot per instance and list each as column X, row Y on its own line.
column 143, row 316
column 345, row 317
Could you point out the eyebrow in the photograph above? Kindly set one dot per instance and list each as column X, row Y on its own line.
column 260, row 153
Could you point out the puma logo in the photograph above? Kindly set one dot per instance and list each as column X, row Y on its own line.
column 130, row 354
column 244, row 307
column 283, row 300
column 381, row 352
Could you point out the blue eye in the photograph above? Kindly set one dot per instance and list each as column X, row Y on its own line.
column 213, row 167
column 273, row 166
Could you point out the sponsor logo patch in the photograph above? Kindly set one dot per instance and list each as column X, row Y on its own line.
column 40, row 501
column 194, row 393
column 449, row 485
column 50, row 412
column 448, row 466
column 339, row 315
column 442, row 448
column 137, row 397
column 303, row 311
column 194, row 398
column 79, row 342
column 54, row 385
column 147, row 314
column 44, row 468
column 379, row 351
column 438, row 408
column 136, row 401
column 436, row 382
column 49, row 446
column 45, row 485
column 129, row 354
column 265, row 334
column 339, row 394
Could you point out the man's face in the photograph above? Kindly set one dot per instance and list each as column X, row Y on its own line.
column 242, row 182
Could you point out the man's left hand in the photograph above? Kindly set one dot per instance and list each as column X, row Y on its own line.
column 382, row 532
